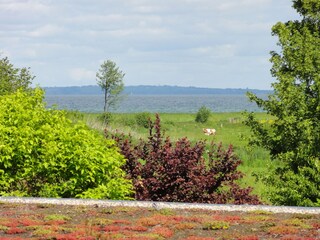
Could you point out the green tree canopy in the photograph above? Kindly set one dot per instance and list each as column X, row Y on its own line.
column 110, row 79
column 294, row 137
column 12, row 78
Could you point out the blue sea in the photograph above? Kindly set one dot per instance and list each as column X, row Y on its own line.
column 155, row 103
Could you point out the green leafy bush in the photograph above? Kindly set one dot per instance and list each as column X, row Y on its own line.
column 105, row 117
column 44, row 154
column 142, row 119
column 203, row 115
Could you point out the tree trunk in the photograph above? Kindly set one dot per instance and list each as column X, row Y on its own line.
column 105, row 100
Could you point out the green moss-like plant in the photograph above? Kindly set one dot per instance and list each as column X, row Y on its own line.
column 216, row 225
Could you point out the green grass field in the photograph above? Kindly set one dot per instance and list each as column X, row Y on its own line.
column 230, row 130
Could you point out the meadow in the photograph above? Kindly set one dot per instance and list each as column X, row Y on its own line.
column 230, row 130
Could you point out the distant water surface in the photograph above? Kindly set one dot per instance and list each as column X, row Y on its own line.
column 155, row 103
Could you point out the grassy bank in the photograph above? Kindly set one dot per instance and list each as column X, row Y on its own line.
column 230, row 130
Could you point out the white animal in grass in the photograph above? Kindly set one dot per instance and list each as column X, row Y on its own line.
column 209, row 131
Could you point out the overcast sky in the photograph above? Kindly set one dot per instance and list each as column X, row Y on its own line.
column 202, row 43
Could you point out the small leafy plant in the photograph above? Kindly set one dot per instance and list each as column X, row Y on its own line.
column 203, row 115
column 105, row 117
column 216, row 225
column 142, row 119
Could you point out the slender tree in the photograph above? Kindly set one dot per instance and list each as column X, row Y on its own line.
column 294, row 137
column 11, row 78
column 110, row 79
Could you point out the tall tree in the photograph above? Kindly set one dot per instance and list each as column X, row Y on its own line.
column 294, row 137
column 11, row 78
column 110, row 79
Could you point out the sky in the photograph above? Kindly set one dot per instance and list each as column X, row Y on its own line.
column 200, row 43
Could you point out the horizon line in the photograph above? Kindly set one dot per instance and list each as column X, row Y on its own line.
column 165, row 85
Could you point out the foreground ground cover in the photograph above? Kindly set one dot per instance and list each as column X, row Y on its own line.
column 48, row 221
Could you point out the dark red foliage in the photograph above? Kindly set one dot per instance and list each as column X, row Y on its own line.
column 178, row 172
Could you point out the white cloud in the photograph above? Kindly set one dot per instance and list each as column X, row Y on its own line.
column 80, row 74
column 236, row 5
column 5, row 53
column 246, row 27
column 23, row 6
column 32, row 53
column 46, row 31
column 223, row 51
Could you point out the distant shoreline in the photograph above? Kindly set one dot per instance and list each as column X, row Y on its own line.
column 173, row 103
column 152, row 90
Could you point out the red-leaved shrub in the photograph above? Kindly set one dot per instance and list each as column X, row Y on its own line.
column 164, row 171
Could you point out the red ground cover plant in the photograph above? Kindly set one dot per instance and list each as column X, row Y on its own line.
column 163, row 231
column 15, row 230
column 10, row 222
column 12, row 238
column 251, row 237
column 29, row 222
column 35, row 222
column 179, row 172
column 199, row 238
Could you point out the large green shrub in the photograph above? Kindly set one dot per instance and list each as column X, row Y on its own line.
column 44, row 154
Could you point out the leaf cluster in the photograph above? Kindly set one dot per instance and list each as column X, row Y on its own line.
column 165, row 171
column 309, row 8
column 11, row 78
column 44, row 154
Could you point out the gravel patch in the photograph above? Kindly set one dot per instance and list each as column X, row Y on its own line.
column 161, row 205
